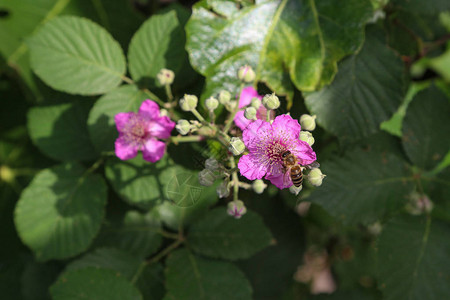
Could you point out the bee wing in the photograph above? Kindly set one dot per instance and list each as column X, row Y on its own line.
column 313, row 165
column 287, row 177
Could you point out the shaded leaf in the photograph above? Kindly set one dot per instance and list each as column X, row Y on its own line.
column 92, row 283
column 363, row 186
column 367, row 90
column 413, row 259
column 60, row 131
column 425, row 126
column 191, row 277
column 60, row 212
column 159, row 43
column 220, row 236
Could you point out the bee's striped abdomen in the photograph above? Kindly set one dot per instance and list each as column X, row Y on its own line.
column 297, row 175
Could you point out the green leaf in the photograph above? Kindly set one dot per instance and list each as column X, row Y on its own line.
column 441, row 64
column 138, row 234
column 60, row 212
column 92, row 283
column 191, row 277
column 60, row 131
column 151, row 282
column 367, row 90
column 301, row 38
column 220, row 236
column 425, row 128
column 363, row 186
column 143, row 184
column 77, row 56
column 101, row 124
column 430, row 7
column 159, row 43
column 413, row 259
column 108, row 258
column 36, row 280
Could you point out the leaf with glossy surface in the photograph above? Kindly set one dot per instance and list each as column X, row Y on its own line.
column 77, row 56
column 220, row 236
column 303, row 38
column 60, row 131
column 101, row 124
column 92, row 283
column 367, row 90
column 158, row 44
column 425, row 128
column 192, row 277
column 60, row 212
column 363, row 186
column 413, row 259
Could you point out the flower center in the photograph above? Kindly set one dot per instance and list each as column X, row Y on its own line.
column 274, row 149
column 138, row 130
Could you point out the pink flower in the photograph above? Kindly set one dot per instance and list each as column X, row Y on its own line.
column 266, row 142
column 140, row 132
column 245, row 99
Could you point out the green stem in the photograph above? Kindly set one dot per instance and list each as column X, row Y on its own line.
column 235, row 179
column 169, row 92
column 200, row 117
column 268, row 115
column 156, row 258
column 127, row 79
column 233, row 114
column 186, row 139
column 154, row 97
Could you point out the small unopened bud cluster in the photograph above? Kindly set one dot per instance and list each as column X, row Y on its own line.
column 246, row 74
column 271, row 101
column 188, row 102
column 165, row 77
column 236, row 209
column 237, row 146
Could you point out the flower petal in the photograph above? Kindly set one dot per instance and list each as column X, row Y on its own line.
column 149, row 109
column 122, row 119
column 250, row 168
column 124, row 150
column 281, row 181
column 241, row 121
column 161, row 127
column 153, row 150
column 247, row 95
column 304, row 152
column 285, row 127
column 256, row 133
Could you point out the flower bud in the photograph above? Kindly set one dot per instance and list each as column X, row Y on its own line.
column 418, row 204
column 183, row 126
column 306, row 136
column 308, row 122
column 211, row 103
column 295, row 190
column 224, row 97
column 188, row 102
column 212, row 164
column 256, row 103
column 222, row 190
column 236, row 209
column 375, row 228
column 250, row 113
column 315, row 177
column 231, row 105
column 165, row 77
column 236, row 146
column 259, row 186
column 246, row 74
column 163, row 112
column 271, row 101
column 206, row 177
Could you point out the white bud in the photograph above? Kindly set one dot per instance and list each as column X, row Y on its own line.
column 315, row 177
column 271, row 101
column 250, row 113
column 183, row 127
column 237, row 146
column 236, row 209
column 259, row 186
column 224, row 97
column 306, row 136
column 211, row 103
column 206, row 177
column 165, row 77
column 188, row 102
column 246, row 74
column 308, row 122
column 212, row 164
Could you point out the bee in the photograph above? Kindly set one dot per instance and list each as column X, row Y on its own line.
column 295, row 170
